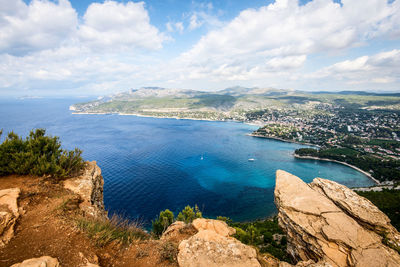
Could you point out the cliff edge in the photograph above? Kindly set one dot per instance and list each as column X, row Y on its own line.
column 89, row 187
column 328, row 222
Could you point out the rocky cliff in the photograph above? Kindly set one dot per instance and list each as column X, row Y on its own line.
column 38, row 215
column 212, row 246
column 89, row 186
column 327, row 222
column 327, row 225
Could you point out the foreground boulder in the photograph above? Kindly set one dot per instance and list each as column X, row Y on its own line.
column 327, row 222
column 89, row 186
column 216, row 226
column 212, row 246
column 9, row 213
column 178, row 231
column 44, row 261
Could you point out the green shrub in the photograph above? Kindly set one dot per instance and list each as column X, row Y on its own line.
column 224, row 219
column 38, row 155
column 388, row 201
column 188, row 214
column 166, row 218
column 261, row 234
column 161, row 223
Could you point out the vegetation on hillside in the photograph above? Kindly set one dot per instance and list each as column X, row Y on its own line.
column 38, row 154
column 104, row 231
column 266, row 235
column 239, row 103
column 388, row 201
column 166, row 218
column 388, row 169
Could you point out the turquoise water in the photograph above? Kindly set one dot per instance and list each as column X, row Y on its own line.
column 152, row 164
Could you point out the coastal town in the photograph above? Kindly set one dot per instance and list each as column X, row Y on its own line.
column 367, row 139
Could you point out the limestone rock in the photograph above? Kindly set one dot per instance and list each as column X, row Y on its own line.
column 217, row 226
column 212, row 246
column 9, row 213
column 173, row 230
column 89, row 186
column 360, row 208
column 309, row 263
column 327, row 222
column 208, row 248
column 44, row 261
column 178, row 231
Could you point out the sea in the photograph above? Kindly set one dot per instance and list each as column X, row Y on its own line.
column 152, row 164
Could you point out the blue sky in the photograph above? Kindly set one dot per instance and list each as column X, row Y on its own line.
column 84, row 47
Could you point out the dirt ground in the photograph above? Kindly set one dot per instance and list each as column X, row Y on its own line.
column 47, row 227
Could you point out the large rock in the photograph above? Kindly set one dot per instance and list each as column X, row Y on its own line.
column 217, row 226
column 8, row 213
column 360, row 208
column 212, row 247
column 173, row 230
column 89, row 186
column 326, row 221
column 44, row 261
column 178, row 231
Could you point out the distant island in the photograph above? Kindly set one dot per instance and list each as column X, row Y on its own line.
column 360, row 129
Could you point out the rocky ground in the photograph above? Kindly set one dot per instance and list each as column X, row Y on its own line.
column 328, row 222
column 38, row 218
column 327, row 225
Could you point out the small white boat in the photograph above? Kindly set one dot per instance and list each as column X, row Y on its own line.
column 201, row 158
column 251, row 159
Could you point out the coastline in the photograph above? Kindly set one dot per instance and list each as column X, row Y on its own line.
column 340, row 162
column 164, row 117
column 282, row 140
column 146, row 116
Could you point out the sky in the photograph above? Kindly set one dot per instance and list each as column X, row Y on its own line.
column 93, row 48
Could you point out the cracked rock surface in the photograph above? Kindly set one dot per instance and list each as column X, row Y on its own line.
column 44, row 261
column 89, row 186
column 212, row 246
column 326, row 221
column 9, row 213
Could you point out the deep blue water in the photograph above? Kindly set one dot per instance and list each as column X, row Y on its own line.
column 151, row 164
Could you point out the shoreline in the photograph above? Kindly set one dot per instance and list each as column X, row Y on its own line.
column 282, row 140
column 161, row 117
column 340, row 162
column 146, row 116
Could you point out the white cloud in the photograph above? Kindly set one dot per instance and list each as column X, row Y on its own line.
column 112, row 26
column 288, row 62
column 194, row 22
column 201, row 18
column 112, row 47
column 381, row 68
column 170, row 26
column 39, row 25
column 43, row 45
column 281, row 35
column 44, row 24
column 177, row 26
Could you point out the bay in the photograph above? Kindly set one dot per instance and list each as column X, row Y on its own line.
column 151, row 164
